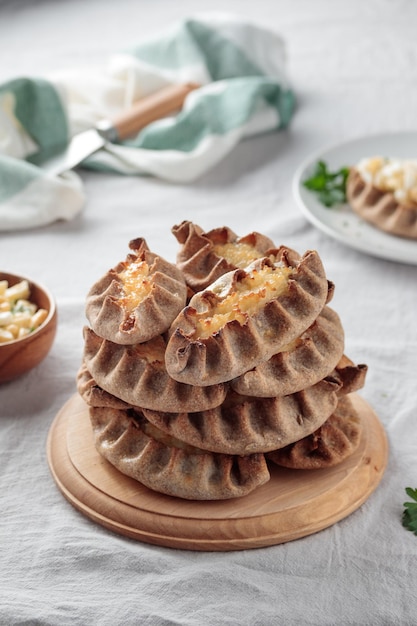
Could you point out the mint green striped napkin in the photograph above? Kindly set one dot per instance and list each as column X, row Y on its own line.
column 244, row 91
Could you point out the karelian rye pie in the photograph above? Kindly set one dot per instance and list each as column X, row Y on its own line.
column 350, row 376
column 329, row 445
column 137, row 375
column 382, row 199
column 205, row 256
column 302, row 363
column 244, row 424
column 93, row 394
column 168, row 466
column 200, row 375
column 138, row 299
column 245, row 317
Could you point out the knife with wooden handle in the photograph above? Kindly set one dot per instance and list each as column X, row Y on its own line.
column 127, row 124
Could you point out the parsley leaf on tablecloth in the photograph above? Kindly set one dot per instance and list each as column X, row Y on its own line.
column 409, row 519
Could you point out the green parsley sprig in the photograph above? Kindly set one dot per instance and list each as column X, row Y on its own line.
column 410, row 513
column 330, row 187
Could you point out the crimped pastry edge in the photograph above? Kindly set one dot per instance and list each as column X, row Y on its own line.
column 196, row 258
column 316, row 354
column 380, row 208
column 155, row 312
column 244, row 425
column 121, row 371
column 328, row 446
column 174, row 471
column 236, row 348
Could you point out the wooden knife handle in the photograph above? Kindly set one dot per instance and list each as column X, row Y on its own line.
column 151, row 108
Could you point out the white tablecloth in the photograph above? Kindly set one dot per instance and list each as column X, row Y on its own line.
column 353, row 68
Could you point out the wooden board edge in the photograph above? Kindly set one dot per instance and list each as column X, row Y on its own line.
column 238, row 534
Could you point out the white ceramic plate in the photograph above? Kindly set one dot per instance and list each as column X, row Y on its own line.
column 341, row 222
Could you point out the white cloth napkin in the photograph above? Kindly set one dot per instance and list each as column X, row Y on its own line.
column 244, row 91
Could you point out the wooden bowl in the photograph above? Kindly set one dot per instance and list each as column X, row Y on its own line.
column 21, row 355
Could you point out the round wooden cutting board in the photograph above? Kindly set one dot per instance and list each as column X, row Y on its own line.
column 293, row 504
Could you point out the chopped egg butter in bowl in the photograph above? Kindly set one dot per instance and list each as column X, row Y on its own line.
column 28, row 321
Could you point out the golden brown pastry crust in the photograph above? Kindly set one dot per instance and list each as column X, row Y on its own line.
column 112, row 320
column 329, row 445
column 197, row 258
column 193, row 409
column 236, row 348
column 380, row 208
column 129, row 373
column 93, row 394
column 314, row 355
column 350, row 376
column 169, row 467
column 243, row 424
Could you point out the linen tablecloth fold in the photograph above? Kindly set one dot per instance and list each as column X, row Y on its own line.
column 244, row 91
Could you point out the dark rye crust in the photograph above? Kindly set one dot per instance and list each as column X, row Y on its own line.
column 349, row 375
column 380, row 208
column 175, row 470
column 329, row 445
column 269, row 422
column 154, row 314
column 125, row 372
column 93, row 394
column 236, row 348
column 197, row 259
column 195, row 437
column 244, row 425
column 315, row 355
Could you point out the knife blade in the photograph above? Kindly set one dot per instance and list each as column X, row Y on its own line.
column 127, row 124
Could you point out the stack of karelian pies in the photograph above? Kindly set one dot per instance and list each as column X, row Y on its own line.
column 201, row 374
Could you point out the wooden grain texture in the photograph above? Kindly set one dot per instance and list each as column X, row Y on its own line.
column 152, row 107
column 293, row 504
